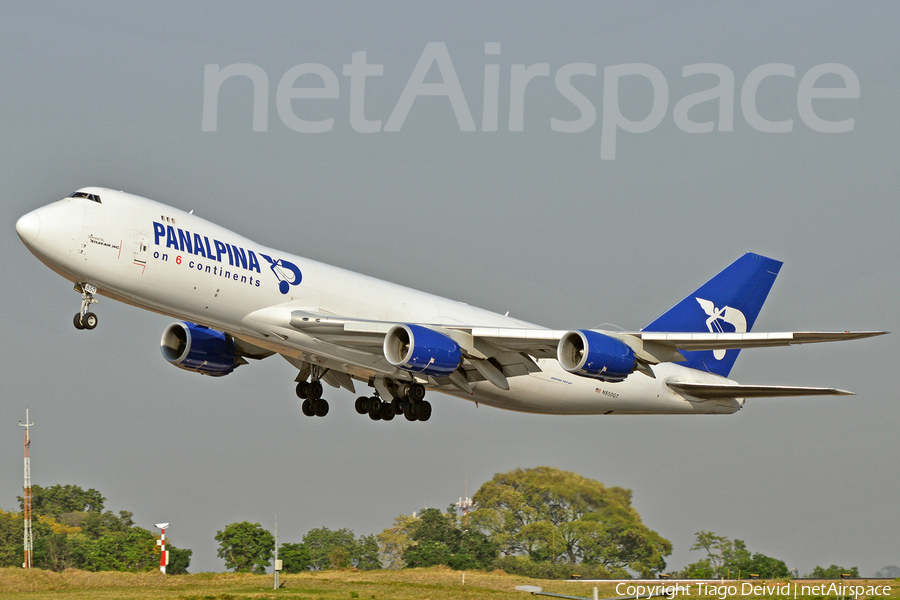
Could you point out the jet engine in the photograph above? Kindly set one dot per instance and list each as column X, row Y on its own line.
column 592, row 354
column 421, row 350
column 200, row 349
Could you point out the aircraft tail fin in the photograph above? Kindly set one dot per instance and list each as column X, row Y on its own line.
column 729, row 302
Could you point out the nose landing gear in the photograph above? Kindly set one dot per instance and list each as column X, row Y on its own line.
column 84, row 319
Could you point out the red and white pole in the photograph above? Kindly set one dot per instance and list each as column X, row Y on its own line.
column 26, row 496
column 163, row 553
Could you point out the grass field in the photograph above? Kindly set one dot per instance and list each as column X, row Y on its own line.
column 436, row 583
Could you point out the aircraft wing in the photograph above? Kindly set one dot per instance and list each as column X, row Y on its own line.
column 355, row 347
column 715, row 391
column 369, row 336
column 664, row 346
column 509, row 346
column 654, row 347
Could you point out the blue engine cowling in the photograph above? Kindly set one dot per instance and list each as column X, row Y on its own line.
column 592, row 354
column 200, row 349
column 421, row 350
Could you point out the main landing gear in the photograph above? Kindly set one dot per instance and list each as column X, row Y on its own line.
column 84, row 319
column 313, row 404
column 407, row 399
column 408, row 402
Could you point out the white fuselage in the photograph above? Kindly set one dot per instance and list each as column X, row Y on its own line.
column 162, row 259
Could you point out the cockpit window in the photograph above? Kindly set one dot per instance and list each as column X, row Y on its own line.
column 91, row 197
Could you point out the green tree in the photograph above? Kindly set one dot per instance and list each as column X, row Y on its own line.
column 11, row 528
column 427, row 554
column 833, row 572
column 245, row 547
column 715, row 546
column 58, row 499
column 739, row 560
column 131, row 550
column 53, row 552
column 394, row 541
column 50, row 546
column 476, row 550
column 552, row 515
column 702, row 569
column 367, row 557
column 329, row 549
column 96, row 524
column 179, row 560
column 335, row 549
column 440, row 539
column 730, row 557
column 766, row 566
column 101, row 541
column 71, row 530
column 294, row 558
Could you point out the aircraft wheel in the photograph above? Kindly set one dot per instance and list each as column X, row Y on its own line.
column 301, row 389
column 77, row 321
column 374, row 405
column 89, row 320
column 314, row 390
column 410, row 412
column 423, row 410
column 375, row 416
column 307, row 408
column 416, row 392
column 320, row 407
column 396, row 406
column 362, row 405
column 387, row 412
column 405, row 406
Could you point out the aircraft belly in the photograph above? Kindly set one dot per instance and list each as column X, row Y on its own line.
column 556, row 392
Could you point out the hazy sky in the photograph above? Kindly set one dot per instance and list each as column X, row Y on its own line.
column 533, row 221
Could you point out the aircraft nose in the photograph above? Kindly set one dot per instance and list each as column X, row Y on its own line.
column 52, row 231
column 28, row 226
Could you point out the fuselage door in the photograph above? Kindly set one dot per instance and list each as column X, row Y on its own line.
column 141, row 250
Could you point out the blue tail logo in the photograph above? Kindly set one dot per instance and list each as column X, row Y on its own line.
column 287, row 273
column 727, row 314
column 729, row 302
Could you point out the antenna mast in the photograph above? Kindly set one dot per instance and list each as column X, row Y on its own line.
column 29, row 546
column 466, row 505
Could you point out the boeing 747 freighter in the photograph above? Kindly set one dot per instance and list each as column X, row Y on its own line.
column 237, row 300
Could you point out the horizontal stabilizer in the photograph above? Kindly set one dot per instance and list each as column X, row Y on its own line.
column 716, row 391
column 728, row 341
